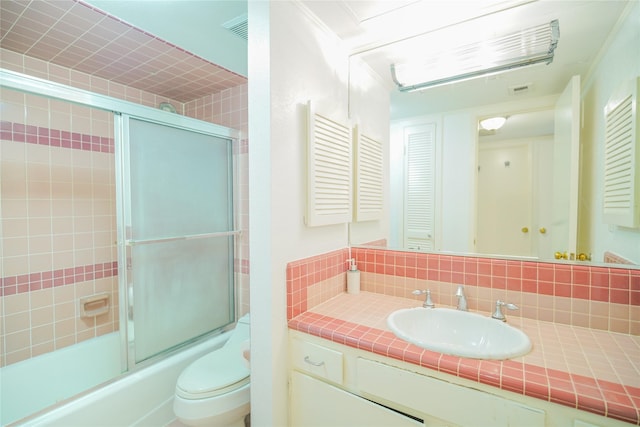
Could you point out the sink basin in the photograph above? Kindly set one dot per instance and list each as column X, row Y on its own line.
column 459, row 333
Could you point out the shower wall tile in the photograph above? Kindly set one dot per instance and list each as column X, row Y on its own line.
column 38, row 68
column 229, row 108
column 58, row 206
column 58, row 215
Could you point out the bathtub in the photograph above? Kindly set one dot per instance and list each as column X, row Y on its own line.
column 33, row 384
column 143, row 397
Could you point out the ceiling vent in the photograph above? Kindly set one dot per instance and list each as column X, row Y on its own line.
column 238, row 26
column 520, row 89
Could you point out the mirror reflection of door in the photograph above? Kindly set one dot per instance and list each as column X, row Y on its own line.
column 419, row 187
column 564, row 227
column 515, row 193
column 505, row 199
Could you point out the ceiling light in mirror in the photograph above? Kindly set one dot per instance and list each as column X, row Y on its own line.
column 493, row 123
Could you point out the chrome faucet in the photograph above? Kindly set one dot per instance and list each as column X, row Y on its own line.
column 462, row 300
column 428, row 303
column 497, row 314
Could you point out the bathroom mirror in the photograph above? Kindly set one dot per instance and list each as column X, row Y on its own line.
column 522, row 95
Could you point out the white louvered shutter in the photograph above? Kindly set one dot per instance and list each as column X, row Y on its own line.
column 368, row 177
column 420, row 143
column 621, row 178
column 329, row 156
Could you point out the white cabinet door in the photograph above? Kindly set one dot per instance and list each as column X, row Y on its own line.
column 458, row 405
column 318, row 404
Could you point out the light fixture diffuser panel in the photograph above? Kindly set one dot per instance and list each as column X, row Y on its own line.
column 528, row 47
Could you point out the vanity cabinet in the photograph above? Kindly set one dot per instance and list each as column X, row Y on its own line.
column 440, row 399
column 315, row 402
column 336, row 385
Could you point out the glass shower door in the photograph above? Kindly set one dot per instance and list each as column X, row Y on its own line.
column 179, row 235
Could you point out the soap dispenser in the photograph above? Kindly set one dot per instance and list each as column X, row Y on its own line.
column 353, row 278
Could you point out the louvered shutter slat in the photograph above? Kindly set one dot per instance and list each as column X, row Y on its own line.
column 329, row 160
column 420, row 185
column 621, row 180
column 368, row 177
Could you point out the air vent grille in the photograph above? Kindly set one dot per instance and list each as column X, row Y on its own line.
column 520, row 89
column 238, row 26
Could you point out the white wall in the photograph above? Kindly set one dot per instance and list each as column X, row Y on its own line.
column 292, row 59
column 620, row 62
column 369, row 109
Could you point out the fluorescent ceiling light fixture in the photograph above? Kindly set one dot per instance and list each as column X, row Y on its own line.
column 493, row 123
column 528, row 47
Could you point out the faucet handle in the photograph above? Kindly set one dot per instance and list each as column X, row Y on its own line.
column 497, row 314
column 428, row 303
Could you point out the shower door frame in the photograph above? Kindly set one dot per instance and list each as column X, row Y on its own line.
column 37, row 86
column 126, row 241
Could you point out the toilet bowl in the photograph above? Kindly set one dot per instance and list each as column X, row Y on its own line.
column 214, row 390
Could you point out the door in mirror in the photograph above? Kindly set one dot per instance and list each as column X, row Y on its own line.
column 566, row 161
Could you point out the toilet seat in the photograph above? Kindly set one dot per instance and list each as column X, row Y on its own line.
column 216, row 373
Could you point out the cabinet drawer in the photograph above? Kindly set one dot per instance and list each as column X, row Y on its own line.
column 317, row 360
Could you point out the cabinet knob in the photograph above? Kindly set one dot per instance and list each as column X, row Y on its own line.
column 525, row 229
column 543, row 230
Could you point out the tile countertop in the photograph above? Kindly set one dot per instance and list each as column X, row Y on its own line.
column 587, row 369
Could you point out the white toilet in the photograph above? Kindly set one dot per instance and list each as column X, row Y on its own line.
column 214, row 390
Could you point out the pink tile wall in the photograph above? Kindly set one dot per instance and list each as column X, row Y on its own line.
column 58, row 223
column 304, row 273
column 45, row 70
column 606, row 298
column 78, row 36
column 59, row 246
column 229, row 108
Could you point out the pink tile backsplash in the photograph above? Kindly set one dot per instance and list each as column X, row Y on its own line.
column 598, row 297
column 591, row 380
column 304, row 273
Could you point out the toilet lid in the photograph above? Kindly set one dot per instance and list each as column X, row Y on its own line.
column 213, row 374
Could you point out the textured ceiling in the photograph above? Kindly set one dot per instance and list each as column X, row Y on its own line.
column 78, row 36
